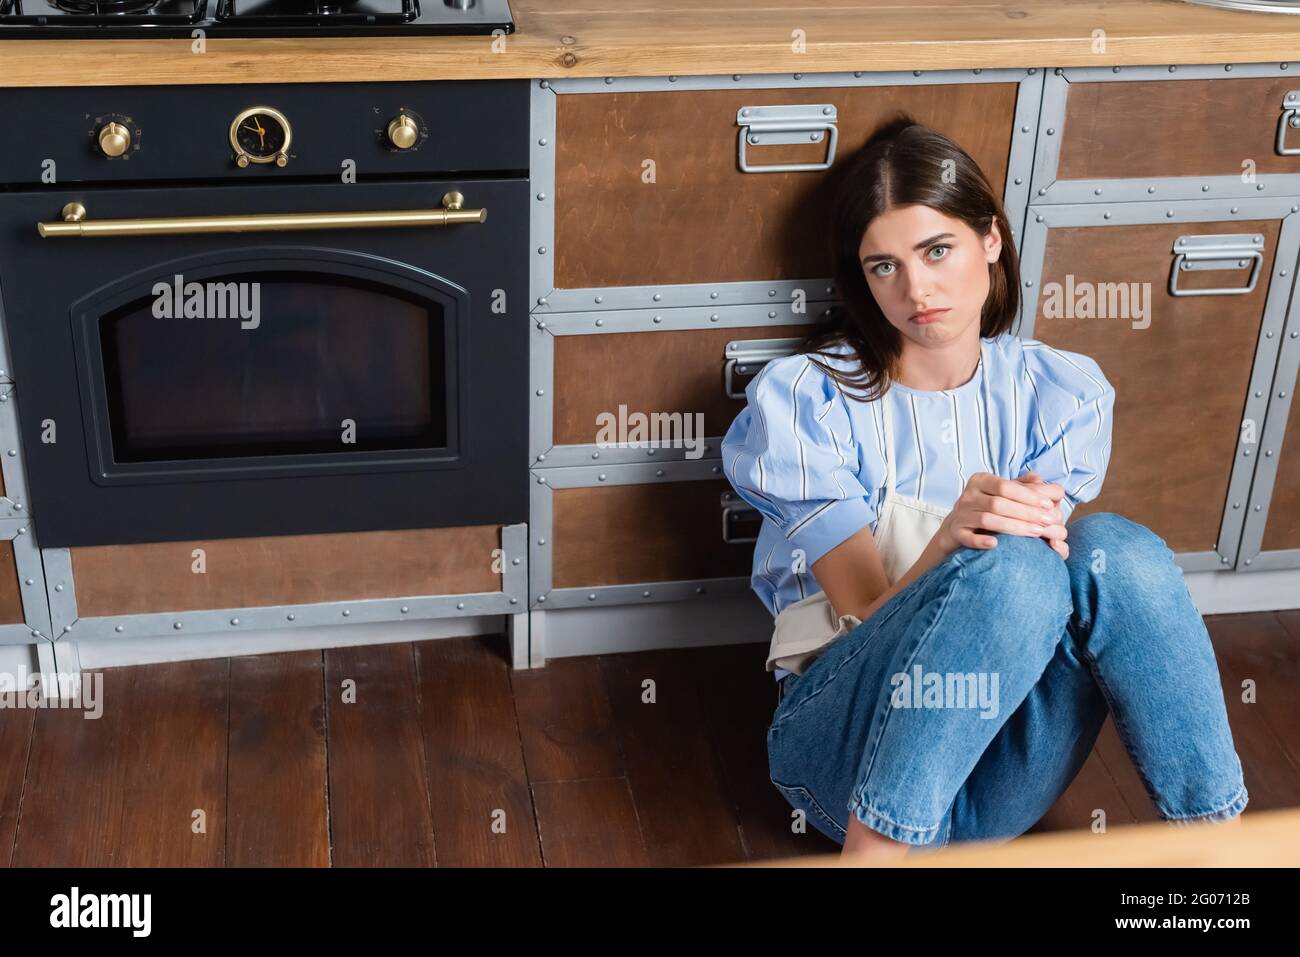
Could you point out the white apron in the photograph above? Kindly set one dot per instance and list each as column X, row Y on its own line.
column 903, row 529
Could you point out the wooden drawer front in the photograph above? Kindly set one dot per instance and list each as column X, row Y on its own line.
column 671, row 371
column 285, row 570
column 627, row 534
column 1283, row 526
column 703, row 219
column 11, row 595
column 1181, row 383
column 1145, row 128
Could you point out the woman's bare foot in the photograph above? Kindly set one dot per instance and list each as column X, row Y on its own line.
column 862, row 844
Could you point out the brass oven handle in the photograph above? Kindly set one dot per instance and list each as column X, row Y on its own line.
column 74, row 221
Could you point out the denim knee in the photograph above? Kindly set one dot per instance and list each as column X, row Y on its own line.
column 1110, row 530
column 1144, row 572
column 1026, row 586
column 1019, row 568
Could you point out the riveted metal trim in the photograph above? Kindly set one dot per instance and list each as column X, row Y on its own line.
column 646, row 592
column 1269, row 450
column 681, row 318
column 31, row 584
column 779, row 81
column 541, row 175
column 14, row 502
column 570, row 456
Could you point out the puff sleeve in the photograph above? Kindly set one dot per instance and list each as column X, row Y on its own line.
column 790, row 454
column 1070, row 422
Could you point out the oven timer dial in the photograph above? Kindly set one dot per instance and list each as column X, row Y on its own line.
column 260, row 134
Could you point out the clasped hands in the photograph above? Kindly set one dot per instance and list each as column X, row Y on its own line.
column 1023, row 506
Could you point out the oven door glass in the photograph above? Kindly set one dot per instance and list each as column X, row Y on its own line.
column 273, row 364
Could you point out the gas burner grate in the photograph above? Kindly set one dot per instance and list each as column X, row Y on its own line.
column 101, row 12
column 317, row 12
column 102, row 8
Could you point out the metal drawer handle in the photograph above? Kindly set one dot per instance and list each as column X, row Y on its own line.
column 735, row 509
column 1290, row 118
column 785, row 125
column 75, row 223
column 1194, row 253
column 747, row 358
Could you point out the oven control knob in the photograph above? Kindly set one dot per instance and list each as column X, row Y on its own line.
column 403, row 132
column 114, row 139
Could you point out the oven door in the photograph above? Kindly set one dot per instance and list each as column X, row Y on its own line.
column 176, row 381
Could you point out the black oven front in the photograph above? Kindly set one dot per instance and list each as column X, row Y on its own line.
column 277, row 353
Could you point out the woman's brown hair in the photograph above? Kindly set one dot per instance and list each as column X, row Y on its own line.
column 904, row 163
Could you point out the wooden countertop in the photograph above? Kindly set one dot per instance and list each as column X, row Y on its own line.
column 557, row 38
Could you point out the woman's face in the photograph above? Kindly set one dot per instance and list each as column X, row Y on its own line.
column 916, row 259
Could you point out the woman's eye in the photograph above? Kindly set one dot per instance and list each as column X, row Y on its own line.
column 881, row 266
column 943, row 247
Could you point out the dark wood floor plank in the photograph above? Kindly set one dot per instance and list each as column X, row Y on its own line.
column 685, row 816
column 1114, row 756
column 1272, row 778
column 589, row 823
column 1092, row 790
column 177, row 747
column 565, row 722
column 379, row 800
column 277, row 805
column 1290, row 621
column 78, row 767
column 1259, row 647
column 16, row 726
column 478, row 784
column 739, row 706
column 123, row 790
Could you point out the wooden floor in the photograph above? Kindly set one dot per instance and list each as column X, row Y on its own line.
column 448, row 757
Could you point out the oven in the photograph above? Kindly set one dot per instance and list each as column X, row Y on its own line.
column 230, row 329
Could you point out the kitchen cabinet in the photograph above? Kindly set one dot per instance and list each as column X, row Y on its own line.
column 679, row 372
column 1182, row 305
column 710, row 190
column 293, row 581
column 679, row 242
column 1123, row 134
column 676, row 233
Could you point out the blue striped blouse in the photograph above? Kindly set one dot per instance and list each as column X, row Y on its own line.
column 811, row 459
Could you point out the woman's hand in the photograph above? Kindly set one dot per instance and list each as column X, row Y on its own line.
column 1054, row 492
column 1024, row 506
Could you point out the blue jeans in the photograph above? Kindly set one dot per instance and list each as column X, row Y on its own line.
column 966, row 704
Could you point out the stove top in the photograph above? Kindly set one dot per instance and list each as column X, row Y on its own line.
column 115, row 19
